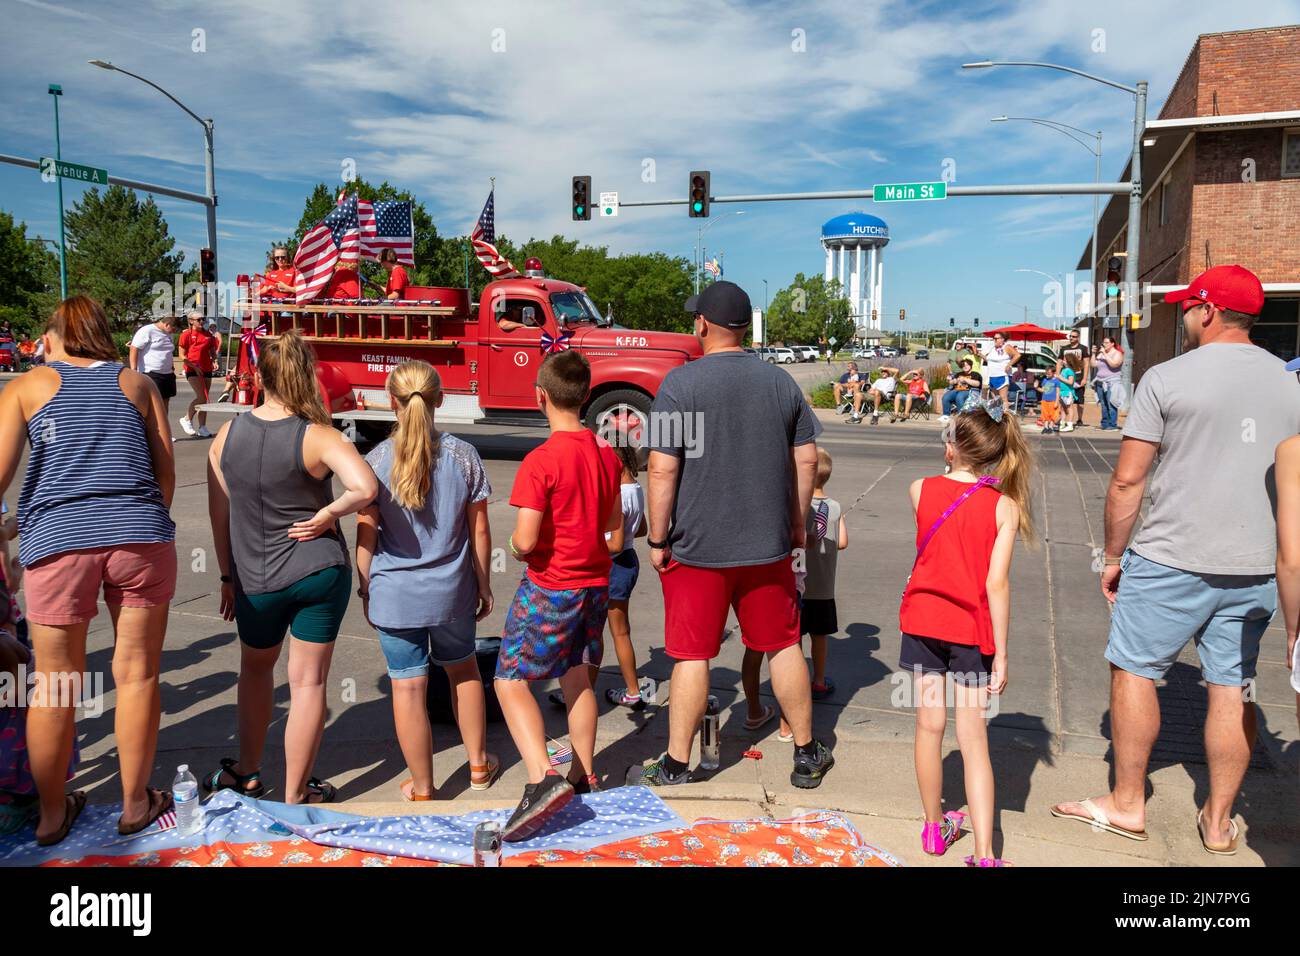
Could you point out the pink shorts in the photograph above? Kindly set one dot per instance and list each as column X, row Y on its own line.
column 63, row 589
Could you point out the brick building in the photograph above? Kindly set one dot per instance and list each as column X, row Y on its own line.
column 1221, row 185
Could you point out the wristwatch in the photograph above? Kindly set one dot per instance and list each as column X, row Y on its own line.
column 657, row 545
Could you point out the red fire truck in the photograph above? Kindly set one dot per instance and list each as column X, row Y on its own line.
column 486, row 354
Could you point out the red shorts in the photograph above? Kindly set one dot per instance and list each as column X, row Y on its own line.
column 63, row 589
column 696, row 601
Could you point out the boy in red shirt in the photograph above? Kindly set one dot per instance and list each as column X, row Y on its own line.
column 567, row 493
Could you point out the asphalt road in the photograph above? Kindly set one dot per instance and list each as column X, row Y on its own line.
column 1051, row 737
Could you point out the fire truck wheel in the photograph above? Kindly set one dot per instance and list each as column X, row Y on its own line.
column 624, row 410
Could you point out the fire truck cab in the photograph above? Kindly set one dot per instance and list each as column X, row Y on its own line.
column 487, row 354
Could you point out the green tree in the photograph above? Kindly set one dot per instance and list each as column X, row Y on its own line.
column 118, row 247
column 809, row 310
column 29, row 277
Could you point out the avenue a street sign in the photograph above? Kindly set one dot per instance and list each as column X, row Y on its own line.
column 909, row 192
column 64, row 170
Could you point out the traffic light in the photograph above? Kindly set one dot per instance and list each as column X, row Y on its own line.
column 1112, row 277
column 874, row 317
column 207, row 266
column 698, row 194
column 977, row 323
column 581, row 198
column 902, row 315
column 952, row 321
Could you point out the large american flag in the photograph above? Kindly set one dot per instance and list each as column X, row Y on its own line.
column 357, row 228
column 387, row 225
column 339, row 232
column 483, row 239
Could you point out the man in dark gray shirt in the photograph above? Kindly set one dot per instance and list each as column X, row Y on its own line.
column 732, row 463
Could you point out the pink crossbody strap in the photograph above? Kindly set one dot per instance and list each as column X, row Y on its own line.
column 982, row 482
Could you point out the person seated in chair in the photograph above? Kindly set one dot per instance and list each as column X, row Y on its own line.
column 962, row 386
column 847, row 387
column 918, row 391
column 882, row 390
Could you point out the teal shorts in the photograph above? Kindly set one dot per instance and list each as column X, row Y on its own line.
column 311, row 609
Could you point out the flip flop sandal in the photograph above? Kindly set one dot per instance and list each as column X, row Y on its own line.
column 73, row 804
column 769, row 712
column 212, row 782
column 1099, row 820
column 785, row 738
column 492, row 769
column 323, row 790
column 412, row 796
column 985, row 862
column 1230, row 849
column 156, row 809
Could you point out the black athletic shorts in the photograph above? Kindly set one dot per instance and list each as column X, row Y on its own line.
column 817, row 616
column 166, row 382
column 930, row 655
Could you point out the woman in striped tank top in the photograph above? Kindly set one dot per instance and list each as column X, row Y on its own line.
column 92, row 515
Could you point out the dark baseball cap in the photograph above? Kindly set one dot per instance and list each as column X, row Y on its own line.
column 723, row 303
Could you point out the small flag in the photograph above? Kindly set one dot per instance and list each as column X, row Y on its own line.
column 483, row 239
column 249, row 340
column 822, row 520
column 714, row 268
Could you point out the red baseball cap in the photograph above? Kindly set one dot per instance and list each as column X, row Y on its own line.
column 1229, row 287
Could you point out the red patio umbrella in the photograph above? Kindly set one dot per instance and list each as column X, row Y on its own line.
column 1028, row 332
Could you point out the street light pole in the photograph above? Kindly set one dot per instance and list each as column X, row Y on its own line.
column 56, row 91
column 209, row 168
column 1139, row 94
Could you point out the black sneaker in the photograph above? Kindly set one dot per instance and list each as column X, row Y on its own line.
column 584, row 785
column 657, row 775
column 541, row 802
column 809, row 771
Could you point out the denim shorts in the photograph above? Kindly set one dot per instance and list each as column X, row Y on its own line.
column 410, row 650
column 623, row 574
column 1159, row 609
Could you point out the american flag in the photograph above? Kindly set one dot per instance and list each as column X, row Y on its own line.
column 483, row 239
column 387, row 225
column 339, row 232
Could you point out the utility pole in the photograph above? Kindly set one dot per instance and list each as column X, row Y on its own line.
column 56, row 91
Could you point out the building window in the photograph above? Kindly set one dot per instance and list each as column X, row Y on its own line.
column 1164, row 203
column 1291, row 153
column 1278, row 328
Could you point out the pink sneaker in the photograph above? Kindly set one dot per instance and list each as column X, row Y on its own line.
column 985, row 861
column 937, row 837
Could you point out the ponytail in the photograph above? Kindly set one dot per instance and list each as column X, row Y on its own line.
column 998, row 448
column 416, row 388
column 287, row 367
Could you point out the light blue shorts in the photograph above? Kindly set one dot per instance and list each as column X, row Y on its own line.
column 410, row 650
column 1159, row 609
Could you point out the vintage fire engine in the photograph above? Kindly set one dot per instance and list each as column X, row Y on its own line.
column 487, row 354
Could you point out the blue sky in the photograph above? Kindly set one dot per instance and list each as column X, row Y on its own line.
column 438, row 97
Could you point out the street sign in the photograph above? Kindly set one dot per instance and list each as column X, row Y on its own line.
column 609, row 204
column 909, row 192
column 832, row 340
column 51, row 167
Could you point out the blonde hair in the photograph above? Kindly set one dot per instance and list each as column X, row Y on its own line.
column 823, row 467
column 287, row 366
column 417, row 389
column 998, row 449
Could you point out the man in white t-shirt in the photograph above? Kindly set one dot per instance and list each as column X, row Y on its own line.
column 152, row 351
column 882, row 390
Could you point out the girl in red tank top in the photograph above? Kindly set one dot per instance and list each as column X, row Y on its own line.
column 956, row 610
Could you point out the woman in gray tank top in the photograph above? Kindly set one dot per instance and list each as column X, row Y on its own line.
column 284, row 563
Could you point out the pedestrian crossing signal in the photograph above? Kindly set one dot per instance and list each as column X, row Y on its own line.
column 581, row 198
column 207, row 266
column 698, row 198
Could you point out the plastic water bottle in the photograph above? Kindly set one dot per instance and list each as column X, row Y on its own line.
column 710, row 742
column 185, row 796
column 487, row 844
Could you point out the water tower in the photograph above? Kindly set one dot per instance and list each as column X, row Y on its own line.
column 855, row 255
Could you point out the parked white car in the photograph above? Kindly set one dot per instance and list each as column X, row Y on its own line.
column 783, row 356
column 806, row 353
